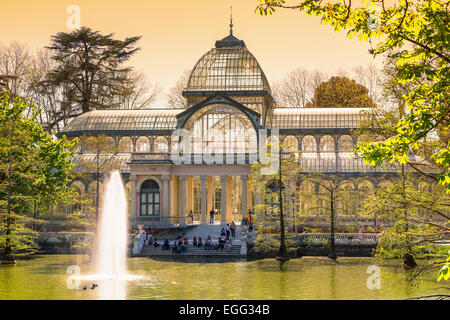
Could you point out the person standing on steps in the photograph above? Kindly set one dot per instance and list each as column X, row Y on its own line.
column 191, row 217
column 228, row 231
column 233, row 229
column 211, row 217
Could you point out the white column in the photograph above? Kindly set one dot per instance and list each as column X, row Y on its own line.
column 173, row 186
column 189, row 194
column 223, row 219
column 166, row 196
column 244, row 197
column 203, row 199
column 229, row 199
column 182, row 180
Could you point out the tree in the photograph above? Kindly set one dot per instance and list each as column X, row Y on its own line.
column 14, row 64
column 139, row 93
column 326, row 199
column 55, row 100
column 414, row 34
column 416, row 216
column 341, row 92
column 93, row 65
column 370, row 77
column 278, row 191
column 34, row 168
column 297, row 88
column 379, row 124
column 175, row 97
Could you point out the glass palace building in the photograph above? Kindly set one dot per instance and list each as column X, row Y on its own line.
column 229, row 103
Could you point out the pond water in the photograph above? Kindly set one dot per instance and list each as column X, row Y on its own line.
column 46, row 277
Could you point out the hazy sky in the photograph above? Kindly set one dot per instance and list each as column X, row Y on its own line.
column 176, row 33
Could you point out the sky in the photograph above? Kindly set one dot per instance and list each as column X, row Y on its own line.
column 176, row 33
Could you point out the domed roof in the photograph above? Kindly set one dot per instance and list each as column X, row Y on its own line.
column 227, row 67
column 230, row 41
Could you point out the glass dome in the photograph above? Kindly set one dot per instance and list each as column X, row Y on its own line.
column 227, row 67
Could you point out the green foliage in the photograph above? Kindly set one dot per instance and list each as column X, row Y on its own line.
column 341, row 92
column 415, row 35
column 415, row 216
column 92, row 64
column 34, row 169
column 267, row 217
column 444, row 273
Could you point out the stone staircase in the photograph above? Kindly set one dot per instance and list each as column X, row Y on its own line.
column 149, row 251
column 205, row 230
column 202, row 231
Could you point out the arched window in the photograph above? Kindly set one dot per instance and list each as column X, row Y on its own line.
column 197, row 200
column 290, row 143
column 160, row 144
column 125, row 145
column 149, row 198
column 219, row 129
column 309, row 144
column 326, row 143
column 218, row 200
column 345, row 143
column 142, row 144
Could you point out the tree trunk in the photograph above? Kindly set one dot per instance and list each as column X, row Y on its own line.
column 332, row 254
column 34, row 215
column 408, row 258
column 283, row 253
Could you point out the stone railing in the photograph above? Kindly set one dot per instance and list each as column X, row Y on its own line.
column 343, row 239
column 163, row 222
column 194, row 158
column 150, row 156
column 55, row 237
column 348, row 239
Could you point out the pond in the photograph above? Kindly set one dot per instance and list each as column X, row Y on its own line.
column 46, row 277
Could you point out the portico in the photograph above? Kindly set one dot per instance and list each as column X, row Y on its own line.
column 200, row 189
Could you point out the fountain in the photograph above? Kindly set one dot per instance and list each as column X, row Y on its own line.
column 112, row 235
column 110, row 259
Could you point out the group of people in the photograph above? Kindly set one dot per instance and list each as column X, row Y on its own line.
column 222, row 244
column 230, row 229
column 178, row 246
column 148, row 238
column 247, row 221
column 181, row 244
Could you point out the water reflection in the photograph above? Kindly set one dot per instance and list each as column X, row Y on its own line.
column 307, row 278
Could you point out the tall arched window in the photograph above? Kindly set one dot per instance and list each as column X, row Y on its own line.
column 197, row 200
column 219, row 129
column 149, row 198
column 218, row 199
column 143, row 144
